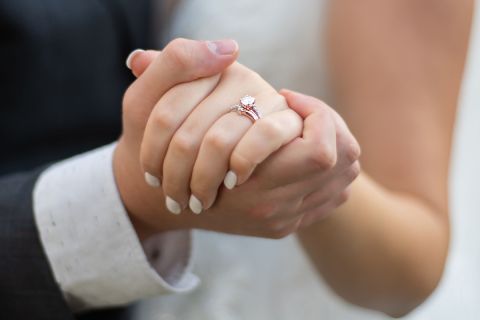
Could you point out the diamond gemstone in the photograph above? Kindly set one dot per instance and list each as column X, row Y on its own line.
column 248, row 101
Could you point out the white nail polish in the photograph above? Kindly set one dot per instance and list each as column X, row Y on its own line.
column 195, row 205
column 173, row 206
column 151, row 180
column 130, row 57
column 230, row 180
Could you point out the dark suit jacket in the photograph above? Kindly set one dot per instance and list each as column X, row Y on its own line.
column 62, row 76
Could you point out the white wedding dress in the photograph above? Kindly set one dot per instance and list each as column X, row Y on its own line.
column 256, row 279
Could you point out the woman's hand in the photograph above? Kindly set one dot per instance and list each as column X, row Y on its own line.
column 191, row 139
column 298, row 185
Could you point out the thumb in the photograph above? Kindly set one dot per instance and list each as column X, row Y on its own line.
column 181, row 61
column 314, row 112
column 302, row 104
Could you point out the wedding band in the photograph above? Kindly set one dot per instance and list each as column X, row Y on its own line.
column 247, row 108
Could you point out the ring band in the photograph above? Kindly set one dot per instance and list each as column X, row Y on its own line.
column 247, row 108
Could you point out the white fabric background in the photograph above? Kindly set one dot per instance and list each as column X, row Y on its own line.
column 261, row 279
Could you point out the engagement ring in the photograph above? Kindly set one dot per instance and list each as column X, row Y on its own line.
column 247, row 108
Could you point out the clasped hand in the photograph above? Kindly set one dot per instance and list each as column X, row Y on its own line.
column 180, row 144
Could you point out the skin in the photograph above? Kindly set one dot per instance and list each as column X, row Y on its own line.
column 270, row 203
column 190, row 137
column 386, row 247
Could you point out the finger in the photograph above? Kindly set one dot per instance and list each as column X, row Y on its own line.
column 139, row 60
column 215, row 151
column 323, row 192
column 181, row 61
column 265, row 137
column 322, row 212
column 307, row 107
column 167, row 116
column 211, row 164
column 283, row 227
column 348, row 149
column 315, row 152
column 185, row 145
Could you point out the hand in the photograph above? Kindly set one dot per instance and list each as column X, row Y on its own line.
column 191, row 137
column 331, row 188
column 296, row 186
column 181, row 61
column 275, row 189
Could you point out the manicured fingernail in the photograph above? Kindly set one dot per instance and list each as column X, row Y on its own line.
column 230, row 180
column 173, row 206
column 195, row 205
column 223, row 47
column 151, row 180
column 128, row 62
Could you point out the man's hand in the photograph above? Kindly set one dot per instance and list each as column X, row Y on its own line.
column 181, row 61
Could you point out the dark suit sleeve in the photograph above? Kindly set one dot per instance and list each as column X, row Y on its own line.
column 27, row 286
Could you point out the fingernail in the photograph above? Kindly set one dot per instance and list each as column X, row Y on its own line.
column 230, row 180
column 151, row 180
column 223, row 47
column 173, row 206
column 128, row 62
column 195, row 205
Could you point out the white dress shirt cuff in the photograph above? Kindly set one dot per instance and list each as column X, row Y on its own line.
column 91, row 245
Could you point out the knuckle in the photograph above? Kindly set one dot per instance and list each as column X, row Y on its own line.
column 164, row 119
column 269, row 128
column 324, row 157
column 354, row 171
column 263, row 212
column 178, row 53
column 353, row 152
column 241, row 164
column 177, row 42
column 217, row 140
column 183, row 144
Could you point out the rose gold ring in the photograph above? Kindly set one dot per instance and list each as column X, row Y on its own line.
column 247, row 108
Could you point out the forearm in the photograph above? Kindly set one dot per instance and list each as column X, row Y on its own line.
column 381, row 250
column 385, row 249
